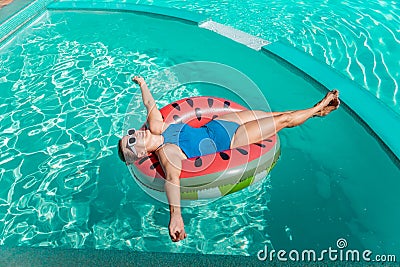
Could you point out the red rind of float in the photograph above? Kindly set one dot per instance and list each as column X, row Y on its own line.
column 197, row 111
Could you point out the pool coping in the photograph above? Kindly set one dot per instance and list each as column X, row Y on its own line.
column 48, row 256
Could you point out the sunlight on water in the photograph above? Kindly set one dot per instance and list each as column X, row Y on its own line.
column 66, row 103
column 359, row 39
column 65, row 92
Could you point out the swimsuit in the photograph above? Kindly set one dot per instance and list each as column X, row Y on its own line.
column 212, row 137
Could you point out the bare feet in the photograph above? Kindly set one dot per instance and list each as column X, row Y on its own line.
column 328, row 104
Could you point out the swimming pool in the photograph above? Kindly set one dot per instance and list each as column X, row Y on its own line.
column 65, row 91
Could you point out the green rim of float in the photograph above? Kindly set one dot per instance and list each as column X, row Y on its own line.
column 212, row 175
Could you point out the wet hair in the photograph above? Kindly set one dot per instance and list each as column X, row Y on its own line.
column 120, row 152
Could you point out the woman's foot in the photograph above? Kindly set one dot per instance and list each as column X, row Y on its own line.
column 328, row 104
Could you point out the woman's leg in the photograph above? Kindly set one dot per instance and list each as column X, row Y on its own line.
column 241, row 117
column 259, row 129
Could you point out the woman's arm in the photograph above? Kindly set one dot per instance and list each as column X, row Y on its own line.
column 154, row 117
column 171, row 161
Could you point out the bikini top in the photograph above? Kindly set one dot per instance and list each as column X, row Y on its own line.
column 192, row 141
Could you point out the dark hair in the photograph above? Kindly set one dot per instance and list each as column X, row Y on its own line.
column 120, row 153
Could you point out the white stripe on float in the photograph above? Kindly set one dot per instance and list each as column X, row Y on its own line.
column 259, row 176
column 209, row 193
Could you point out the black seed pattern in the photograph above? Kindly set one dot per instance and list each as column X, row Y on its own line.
column 227, row 104
column 198, row 113
column 210, row 102
column 224, row 156
column 143, row 160
column 260, row 145
column 154, row 165
column 198, row 162
column 215, row 116
column 190, row 102
column 242, row 151
column 268, row 140
column 176, row 106
column 176, row 117
column 162, row 116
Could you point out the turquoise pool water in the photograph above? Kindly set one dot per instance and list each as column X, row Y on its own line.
column 65, row 93
column 357, row 38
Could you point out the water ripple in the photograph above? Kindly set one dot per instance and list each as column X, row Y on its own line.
column 59, row 187
column 59, row 118
column 366, row 36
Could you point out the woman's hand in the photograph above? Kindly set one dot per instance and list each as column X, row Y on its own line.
column 176, row 228
column 154, row 117
column 138, row 80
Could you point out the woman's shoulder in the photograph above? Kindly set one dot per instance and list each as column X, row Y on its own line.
column 157, row 127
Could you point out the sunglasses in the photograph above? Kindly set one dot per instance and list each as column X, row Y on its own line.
column 131, row 140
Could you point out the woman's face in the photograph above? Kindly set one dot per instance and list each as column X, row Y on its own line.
column 142, row 138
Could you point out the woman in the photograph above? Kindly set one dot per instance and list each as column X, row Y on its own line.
column 174, row 142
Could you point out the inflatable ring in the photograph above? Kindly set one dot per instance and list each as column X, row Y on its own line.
column 212, row 175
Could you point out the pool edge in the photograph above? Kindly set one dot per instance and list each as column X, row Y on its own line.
column 37, row 256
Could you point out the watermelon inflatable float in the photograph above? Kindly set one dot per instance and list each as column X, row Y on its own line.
column 211, row 175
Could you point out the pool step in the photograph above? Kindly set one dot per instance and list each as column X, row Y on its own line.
column 249, row 40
